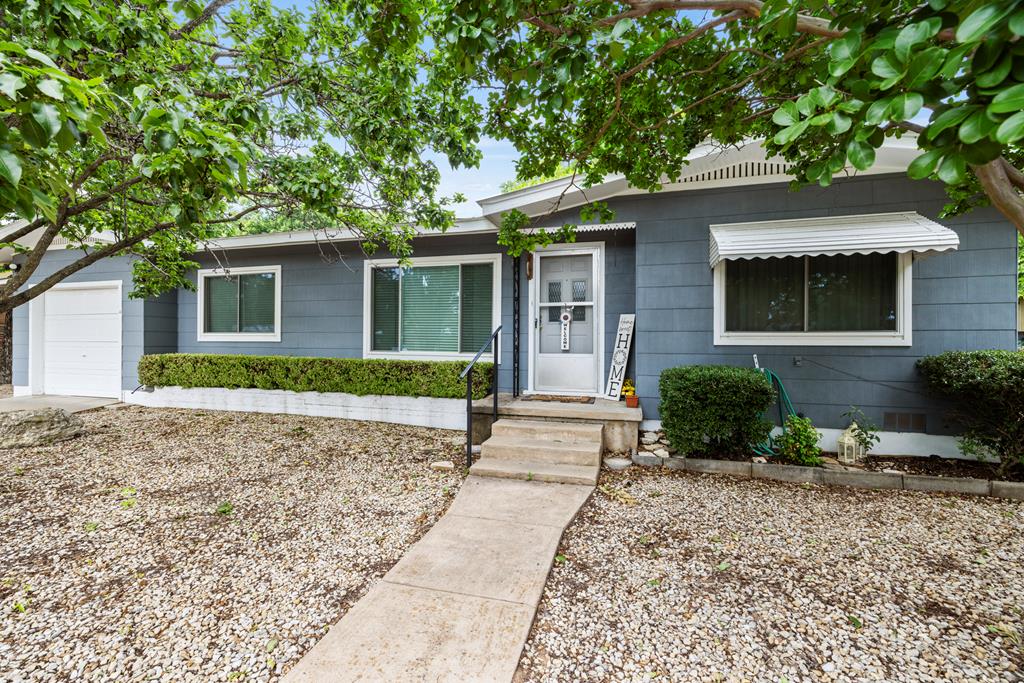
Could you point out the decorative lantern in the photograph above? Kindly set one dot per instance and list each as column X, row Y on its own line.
column 850, row 449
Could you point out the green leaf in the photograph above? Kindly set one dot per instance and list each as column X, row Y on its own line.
column 48, row 118
column 996, row 74
column 1012, row 129
column 924, row 165
column 840, row 123
column 905, row 107
column 786, row 115
column 52, row 88
column 913, row 34
column 885, row 66
column 878, row 111
column 1009, row 100
column 787, row 135
column 621, row 27
column 10, row 167
column 1017, row 23
column 950, row 117
column 10, row 84
column 846, row 47
column 975, row 127
column 953, row 169
column 860, row 154
column 924, row 66
column 41, row 57
column 978, row 23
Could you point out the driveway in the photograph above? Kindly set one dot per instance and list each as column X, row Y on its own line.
column 72, row 404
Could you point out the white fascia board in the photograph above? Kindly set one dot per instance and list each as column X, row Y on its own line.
column 463, row 226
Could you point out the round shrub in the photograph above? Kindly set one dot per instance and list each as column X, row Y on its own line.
column 714, row 409
column 987, row 391
column 798, row 444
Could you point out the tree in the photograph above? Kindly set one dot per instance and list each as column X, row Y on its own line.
column 632, row 86
column 157, row 123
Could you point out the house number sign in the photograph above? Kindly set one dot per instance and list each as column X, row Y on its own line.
column 566, row 320
column 620, row 356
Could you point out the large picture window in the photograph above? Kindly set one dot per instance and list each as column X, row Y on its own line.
column 242, row 304
column 436, row 307
column 857, row 299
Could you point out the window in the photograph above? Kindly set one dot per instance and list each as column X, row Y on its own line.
column 858, row 299
column 438, row 307
column 240, row 304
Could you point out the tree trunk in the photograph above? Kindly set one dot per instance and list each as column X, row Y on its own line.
column 6, row 332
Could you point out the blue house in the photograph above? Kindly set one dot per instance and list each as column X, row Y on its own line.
column 839, row 290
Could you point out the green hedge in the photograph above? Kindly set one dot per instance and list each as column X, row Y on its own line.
column 437, row 379
column 987, row 390
column 714, row 409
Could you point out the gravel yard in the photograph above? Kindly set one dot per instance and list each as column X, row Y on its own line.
column 709, row 578
column 187, row 545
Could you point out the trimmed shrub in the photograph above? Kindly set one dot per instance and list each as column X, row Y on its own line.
column 798, row 444
column 714, row 409
column 987, row 390
column 437, row 379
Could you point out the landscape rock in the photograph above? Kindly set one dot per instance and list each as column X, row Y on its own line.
column 38, row 427
column 443, row 466
column 649, row 437
column 617, row 463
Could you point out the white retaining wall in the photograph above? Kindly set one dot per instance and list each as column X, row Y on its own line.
column 442, row 413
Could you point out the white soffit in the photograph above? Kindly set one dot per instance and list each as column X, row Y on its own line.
column 864, row 234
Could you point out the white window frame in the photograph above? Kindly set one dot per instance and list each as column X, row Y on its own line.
column 201, row 277
column 901, row 336
column 468, row 259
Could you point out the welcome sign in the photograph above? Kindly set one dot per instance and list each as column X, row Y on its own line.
column 620, row 356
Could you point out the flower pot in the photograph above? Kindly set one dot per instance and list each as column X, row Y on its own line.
column 632, row 401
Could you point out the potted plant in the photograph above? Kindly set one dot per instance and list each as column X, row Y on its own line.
column 629, row 393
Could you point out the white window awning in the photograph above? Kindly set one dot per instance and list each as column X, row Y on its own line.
column 591, row 227
column 830, row 235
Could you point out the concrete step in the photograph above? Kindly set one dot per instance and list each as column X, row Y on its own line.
column 543, row 451
column 572, row 432
column 536, row 471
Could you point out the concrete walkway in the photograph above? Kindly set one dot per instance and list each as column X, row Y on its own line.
column 71, row 404
column 458, row 606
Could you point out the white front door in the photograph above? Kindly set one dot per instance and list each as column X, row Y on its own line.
column 565, row 294
column 81, row 345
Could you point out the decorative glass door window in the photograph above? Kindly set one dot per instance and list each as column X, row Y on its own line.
column 432, row 309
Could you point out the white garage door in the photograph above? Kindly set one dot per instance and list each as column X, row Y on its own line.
column 82, row 341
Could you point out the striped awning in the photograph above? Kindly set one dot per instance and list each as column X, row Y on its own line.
column 593, row 227
column 865, row 234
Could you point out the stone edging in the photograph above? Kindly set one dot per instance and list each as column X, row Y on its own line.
column 860, row 479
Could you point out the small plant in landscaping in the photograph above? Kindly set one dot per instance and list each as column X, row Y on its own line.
column 865, row 431
column 225, row 508
column 798, row 445
column 91, row 526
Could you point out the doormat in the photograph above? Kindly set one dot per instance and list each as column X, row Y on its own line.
column 559, row 399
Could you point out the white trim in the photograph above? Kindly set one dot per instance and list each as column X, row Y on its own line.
column 890, row 444
column 902, row 336
column 463, row 226
column 455, row 260
column 440, row 413
column 37, row 332
column 22, row 390
column 202, row 336
column 597, row 250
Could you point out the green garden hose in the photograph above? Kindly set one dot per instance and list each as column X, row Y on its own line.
column 767, row 448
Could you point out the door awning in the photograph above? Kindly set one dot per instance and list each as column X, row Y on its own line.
column 827, row 236
column 591, row 227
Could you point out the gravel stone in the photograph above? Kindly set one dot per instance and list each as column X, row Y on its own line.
column 179, row 545
column 710, row 578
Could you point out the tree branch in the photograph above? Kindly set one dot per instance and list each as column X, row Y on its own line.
column 995, row 180
column 203, row 17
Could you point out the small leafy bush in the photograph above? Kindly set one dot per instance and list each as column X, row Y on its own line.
column 798, row 444
column 714, row 409
column 359, row 376
column 987, row 391
column 865, row 430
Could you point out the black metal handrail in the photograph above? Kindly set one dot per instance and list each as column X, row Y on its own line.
column 468, row 374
